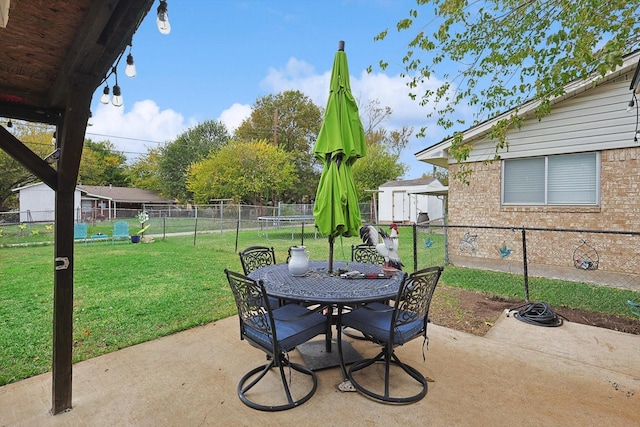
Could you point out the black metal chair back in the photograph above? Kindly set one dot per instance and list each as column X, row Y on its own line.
column 255, row 257
column 366, row 253
column 413, row 302
column 252, row 307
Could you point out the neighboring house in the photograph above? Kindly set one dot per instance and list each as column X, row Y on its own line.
column 577, row 168
column 91, row 202
column 108, row 202
column 409, row 201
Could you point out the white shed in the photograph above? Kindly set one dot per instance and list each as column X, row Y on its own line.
column 404, row 201
column 37, row 203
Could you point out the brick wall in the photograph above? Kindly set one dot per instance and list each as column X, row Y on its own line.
column 478, row 204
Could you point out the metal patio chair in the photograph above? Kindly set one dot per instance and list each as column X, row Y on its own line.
column 254, row 257
column 392, row 327
column 369, row 254
column 275, row 332
column 80, row 231
column 366, row 253
column 120, row 231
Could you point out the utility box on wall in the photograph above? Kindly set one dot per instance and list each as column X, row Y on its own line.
column 409, row 201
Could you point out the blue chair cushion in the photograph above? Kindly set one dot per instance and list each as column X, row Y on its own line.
column 374, row 319
column 294, row 325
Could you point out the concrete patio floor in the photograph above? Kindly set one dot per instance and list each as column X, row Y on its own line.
column 573, row 375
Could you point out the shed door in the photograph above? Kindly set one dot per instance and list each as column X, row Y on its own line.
column 400, row 208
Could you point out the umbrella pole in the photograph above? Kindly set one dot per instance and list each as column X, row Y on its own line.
column 331, row 254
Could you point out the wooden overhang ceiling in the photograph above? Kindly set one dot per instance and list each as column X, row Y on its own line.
column 53, row 51
column 46, row 43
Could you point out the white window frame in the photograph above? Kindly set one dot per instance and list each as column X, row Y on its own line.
column 597, row 159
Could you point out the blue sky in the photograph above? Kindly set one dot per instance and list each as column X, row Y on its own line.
column 222, row 55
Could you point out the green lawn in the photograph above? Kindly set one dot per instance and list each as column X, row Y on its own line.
column 130, row 293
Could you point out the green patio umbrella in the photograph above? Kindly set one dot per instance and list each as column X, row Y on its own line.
column 340, row 143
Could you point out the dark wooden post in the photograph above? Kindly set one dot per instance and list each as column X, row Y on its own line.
column 63, row 304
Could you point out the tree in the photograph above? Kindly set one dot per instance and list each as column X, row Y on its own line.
column 143, row 173
column 36, row 138
column 243, row 171
column 394, row 141
column 376, row 168
column 373, row 117
column 497, row 54
column 291, row 121
column 438, row 173
column 192, row 146
column 382, row 162
column 101, row 164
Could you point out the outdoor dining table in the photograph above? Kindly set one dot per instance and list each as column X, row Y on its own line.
column 319, row 287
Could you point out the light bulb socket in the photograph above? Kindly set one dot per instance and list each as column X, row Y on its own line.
column 9, row 124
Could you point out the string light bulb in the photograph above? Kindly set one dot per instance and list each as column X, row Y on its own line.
column 163, row 18
column 104, row 99
column 130, row 70
column 117, row 93
column 117, row 96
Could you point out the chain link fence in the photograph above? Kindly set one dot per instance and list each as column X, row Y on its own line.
column 281, row 222
column 599, row 257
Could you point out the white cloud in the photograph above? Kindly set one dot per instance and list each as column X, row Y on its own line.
column 233, row 116
column 391, row 91
column 133, row 132
column 298, row 75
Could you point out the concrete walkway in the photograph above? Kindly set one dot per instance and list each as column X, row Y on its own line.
column 574, row 375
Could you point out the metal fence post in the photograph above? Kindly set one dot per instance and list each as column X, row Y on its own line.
column 524, row 266
column 415, row 246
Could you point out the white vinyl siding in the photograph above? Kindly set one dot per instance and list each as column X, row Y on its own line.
column 570, row 179
column 591, row 121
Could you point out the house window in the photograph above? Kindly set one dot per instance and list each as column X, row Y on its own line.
column 569, row 179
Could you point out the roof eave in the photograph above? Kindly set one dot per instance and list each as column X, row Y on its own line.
column 437, row 154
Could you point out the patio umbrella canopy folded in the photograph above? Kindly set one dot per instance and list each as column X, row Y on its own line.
column 339, row 144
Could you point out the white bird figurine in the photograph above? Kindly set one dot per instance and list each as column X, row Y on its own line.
column 386, row 244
